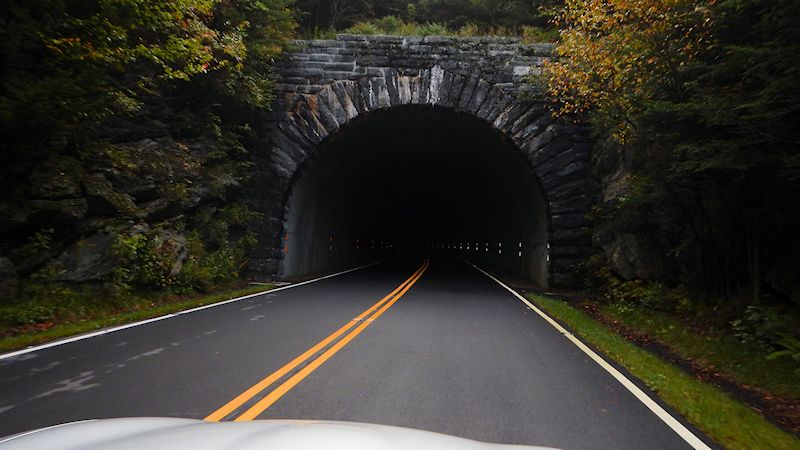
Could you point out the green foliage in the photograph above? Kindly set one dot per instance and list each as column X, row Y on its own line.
column 652, row 294
column 533, row 35
column 367, row 28
column 394, row 26
column 706, row 341
column 28, row 314
column 432, row 29
column 488, row 17
column 96, row 312
column 44, row 302
column 41, row 239
column 210, row 255
column 204, row 270
column 411, row 12
column 390, row 24
column 703, row 100
column 142, row 262
column 78, row 64
column 767, row 326
column 791, row 349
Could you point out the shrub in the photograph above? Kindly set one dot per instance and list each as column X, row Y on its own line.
column 26, row 314
column 535, row 35
column 764, row 325
column 395, row 26
column 432, row 29
column 791, row 349
column 367, row 28
column 389, row 24
column 145, row 260
column 468, row 30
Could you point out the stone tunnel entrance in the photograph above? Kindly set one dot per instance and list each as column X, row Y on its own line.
column 416, row 177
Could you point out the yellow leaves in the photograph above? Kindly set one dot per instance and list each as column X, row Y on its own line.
column 615, row 53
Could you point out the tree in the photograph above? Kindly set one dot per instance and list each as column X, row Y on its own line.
column 703, row 97
column 619, row 54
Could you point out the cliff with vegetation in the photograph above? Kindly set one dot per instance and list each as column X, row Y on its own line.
column 127, row 128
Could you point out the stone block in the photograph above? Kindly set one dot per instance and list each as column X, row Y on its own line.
column 325, row 43
column 567, row 280
column 573, row 220
column 351, row 37
column 565, row 265
column 571, row 251
column 347, row 66
column 572, row 236
column 341, row 75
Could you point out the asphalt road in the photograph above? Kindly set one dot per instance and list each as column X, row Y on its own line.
column 456, row 354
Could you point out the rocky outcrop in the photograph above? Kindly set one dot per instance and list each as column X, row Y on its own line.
column 631, row 257
column 174, row 244
column 72, row 207
column 627, row 242
column 87, row 260
column 9, row 282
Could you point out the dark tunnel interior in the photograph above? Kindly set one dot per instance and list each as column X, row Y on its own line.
column 416, row 177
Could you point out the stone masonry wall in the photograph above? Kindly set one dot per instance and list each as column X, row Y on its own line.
column 323, row 84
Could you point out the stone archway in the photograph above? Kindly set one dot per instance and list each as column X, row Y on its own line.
column 330, row 83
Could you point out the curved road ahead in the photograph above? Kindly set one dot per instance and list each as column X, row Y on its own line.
column 451, row 351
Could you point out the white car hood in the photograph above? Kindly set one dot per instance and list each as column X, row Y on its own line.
column 170, row 433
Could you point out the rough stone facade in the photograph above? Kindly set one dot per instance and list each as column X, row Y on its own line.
column 323, row 84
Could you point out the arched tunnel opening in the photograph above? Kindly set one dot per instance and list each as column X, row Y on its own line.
column 416, row 178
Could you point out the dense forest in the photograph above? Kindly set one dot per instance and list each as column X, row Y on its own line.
column 696, row 106
column 129, row 127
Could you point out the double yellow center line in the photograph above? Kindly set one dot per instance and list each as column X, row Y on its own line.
column 363, row 320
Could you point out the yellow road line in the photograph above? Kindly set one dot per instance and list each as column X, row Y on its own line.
column 275, row 395
column 275, row 376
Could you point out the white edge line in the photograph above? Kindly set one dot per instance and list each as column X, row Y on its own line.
column 662, row 414
column 179, row 313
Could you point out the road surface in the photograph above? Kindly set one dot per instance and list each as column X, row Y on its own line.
column 451, row 351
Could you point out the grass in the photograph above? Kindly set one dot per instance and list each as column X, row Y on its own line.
column 136, row 309
column 725, row 420
column 743, row 363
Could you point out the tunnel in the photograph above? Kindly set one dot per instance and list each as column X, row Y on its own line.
column 416, row 179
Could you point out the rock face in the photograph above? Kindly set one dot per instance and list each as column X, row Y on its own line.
column 175, row 244
column 326, row 83
column 88, row 259
column 626, row 242
column 629, row 257
column 69, row 211
column 9, row 282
